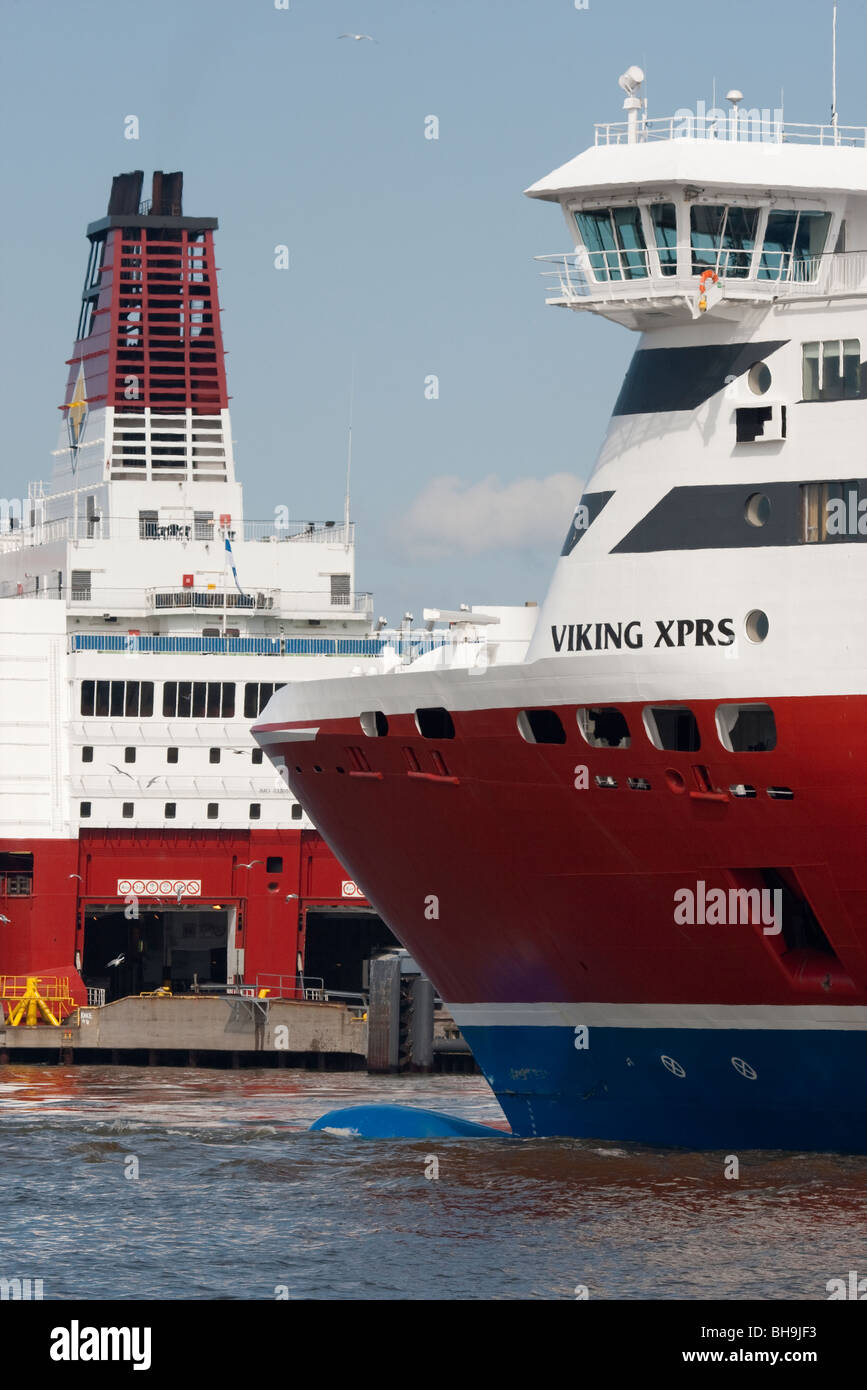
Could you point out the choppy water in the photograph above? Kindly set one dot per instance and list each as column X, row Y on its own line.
column 234, row 1198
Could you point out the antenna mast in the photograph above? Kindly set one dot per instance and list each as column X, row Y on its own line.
column 834, row 70
column 349, row 455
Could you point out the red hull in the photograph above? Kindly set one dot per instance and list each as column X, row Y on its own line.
column 547, row 892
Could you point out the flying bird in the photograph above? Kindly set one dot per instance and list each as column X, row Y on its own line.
column 118, row 960
column 78, row 876
column 158, row 778
column 5, row 919
column 250, row 865
column 369, row 37
column 121, row 771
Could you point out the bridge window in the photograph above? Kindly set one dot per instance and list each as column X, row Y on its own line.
column 746, row 728
column 793, row 242
column 297, row 811
column 672, row 727
column 614, row 239
column 723, row 239
column 663, row 216
column 603, row 727
column 832, row 370
column 541, row 726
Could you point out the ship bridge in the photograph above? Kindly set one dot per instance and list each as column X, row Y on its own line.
column 708, row 212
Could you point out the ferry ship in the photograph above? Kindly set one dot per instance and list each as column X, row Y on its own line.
column 578, row 848
column 144, row 622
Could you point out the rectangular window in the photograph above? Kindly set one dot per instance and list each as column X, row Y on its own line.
column 80, row 584
column 257, row 755
column 614, row 239
column 256, row 696
column 746, row 728
column 117, row 699
column 87, row 755
column 199, row 699
column 340, row 589
column 793, row 243
column 127, row 811
column 203, row 526
column 834, row 511
column 84, row 810
column 213, row 810
column 171, row 810
column 171, row 755
column 831, row 370
column 297, row 811
column 255, row 810
column 129, row 755
column 723, row 239
column 274, row 864
column 664, row 219
column 213, row 755
column 673, row 728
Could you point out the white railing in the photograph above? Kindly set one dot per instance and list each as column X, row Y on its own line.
column 95, row 997
column 749, row 127
column 584, row 276
column 314, row 532
column 170, row 526
column 137, row 601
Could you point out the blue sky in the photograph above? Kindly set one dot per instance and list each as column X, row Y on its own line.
column 414, row 256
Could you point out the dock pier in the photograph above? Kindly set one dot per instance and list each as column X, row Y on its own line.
column 395, row 1028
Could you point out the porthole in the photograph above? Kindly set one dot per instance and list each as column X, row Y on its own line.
column 759, row 378
column 757, row 509
column 756, row 625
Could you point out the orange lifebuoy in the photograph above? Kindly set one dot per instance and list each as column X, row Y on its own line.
column 702, row 287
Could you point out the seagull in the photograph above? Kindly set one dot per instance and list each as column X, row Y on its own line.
column 5, row 919
column 158, row 778
column 78, row 876
column 121, row 771
column 250, row 865
column 118, row 960
column 369, row 37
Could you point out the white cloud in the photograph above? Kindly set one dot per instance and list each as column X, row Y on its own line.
column 451, row 516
